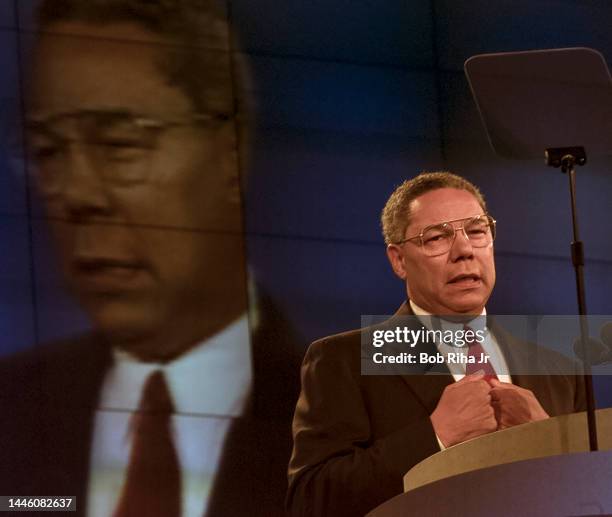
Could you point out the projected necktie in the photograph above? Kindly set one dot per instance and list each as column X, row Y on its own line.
column 153, row 481
column 476, row 351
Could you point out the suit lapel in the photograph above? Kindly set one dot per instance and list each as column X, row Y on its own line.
column 522, row 357
column 428, row 386
column 252, row 475
column 72, row 383
column 516, row 355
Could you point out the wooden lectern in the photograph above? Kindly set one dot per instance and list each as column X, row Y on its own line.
column 538, row 469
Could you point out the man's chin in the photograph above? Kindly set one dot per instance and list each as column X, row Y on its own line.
column 123, row 324
column 143, row 332
column 470, row 304
column 468, row 309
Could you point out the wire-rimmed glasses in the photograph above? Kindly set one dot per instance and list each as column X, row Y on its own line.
column 119, row 145
column 438, row 239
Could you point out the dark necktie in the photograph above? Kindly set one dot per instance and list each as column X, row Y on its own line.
column 475, row 350
column 153, row 481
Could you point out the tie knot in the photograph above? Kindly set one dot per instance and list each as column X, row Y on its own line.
column 156, row 397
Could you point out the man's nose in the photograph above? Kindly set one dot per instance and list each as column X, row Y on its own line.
column 462, row 246
column 83, row 190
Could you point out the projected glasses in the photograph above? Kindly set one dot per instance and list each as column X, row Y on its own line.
column 119, row 146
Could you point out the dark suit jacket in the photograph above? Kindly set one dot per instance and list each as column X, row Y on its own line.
column 355, row 436
column 49, row 395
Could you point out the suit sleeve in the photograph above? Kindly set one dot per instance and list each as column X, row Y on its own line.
column 336, row 468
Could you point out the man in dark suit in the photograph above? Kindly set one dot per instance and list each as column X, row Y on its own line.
column 171, row 405
column 356, row 435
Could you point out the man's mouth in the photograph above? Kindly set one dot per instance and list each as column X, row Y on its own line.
column 108, row 274
column 465, row 279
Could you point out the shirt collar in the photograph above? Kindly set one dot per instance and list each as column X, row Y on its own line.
column 213, row 378
column 434, row 322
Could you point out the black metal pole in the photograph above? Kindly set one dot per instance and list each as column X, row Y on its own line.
column 577, row 248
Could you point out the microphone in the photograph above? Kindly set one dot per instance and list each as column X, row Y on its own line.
column 600, row 352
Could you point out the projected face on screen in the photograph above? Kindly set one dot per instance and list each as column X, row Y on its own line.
column 140, row 184
column 132, row 147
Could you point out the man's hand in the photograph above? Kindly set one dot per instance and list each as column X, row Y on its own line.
column 464, row 411
column 514, row 405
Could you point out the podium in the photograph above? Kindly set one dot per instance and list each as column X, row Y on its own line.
column 537, row 469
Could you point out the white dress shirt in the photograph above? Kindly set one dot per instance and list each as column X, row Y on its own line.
column 209, row 386
column 489, row 345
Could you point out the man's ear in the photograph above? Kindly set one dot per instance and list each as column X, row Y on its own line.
column 395, row 255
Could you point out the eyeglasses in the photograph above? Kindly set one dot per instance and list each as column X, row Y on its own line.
column 439, row 238
column 119, row 144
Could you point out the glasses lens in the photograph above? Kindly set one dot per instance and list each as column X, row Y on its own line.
column 116, row 145
column 123, row 147
column 119, row 132
column 438, row 239
column 478, row 231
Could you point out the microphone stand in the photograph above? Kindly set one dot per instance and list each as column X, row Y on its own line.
column 567, row 158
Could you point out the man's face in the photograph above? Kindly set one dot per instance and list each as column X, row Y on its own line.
column 160, row 253
column 457, row 282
